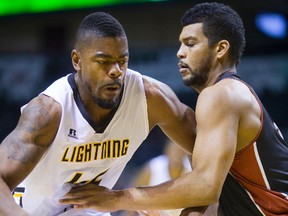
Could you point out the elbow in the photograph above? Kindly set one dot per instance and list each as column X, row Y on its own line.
column 213, row 197
column 206, row 194
column 208, row 191
column 212, row 194
column 8, row 184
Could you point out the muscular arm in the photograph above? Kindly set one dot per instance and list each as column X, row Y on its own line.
column 175, row 119
column 21, row 150
column 217, row 117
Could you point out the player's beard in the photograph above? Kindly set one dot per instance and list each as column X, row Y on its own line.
column 107, row 104
column 199, row 75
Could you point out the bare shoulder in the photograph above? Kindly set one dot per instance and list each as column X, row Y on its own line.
column 153, row 86
column 227, row 95
column 232, row 103
column 44, row 110
column 157, row 92
column 162, row 101
column 176, row 119
column 43, row 104
column 39, row 120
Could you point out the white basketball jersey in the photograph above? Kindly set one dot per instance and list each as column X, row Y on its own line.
column 79, row 154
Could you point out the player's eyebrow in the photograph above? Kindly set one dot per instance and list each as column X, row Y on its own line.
column 103, row 55
column 188, row 38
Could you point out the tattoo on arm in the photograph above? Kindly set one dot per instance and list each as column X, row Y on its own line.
column 32, row 135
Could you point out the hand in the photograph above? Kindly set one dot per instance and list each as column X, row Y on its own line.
column 90, row 196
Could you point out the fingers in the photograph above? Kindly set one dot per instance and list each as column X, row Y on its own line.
column 82, row 196
column 79, row 203
column 88, row 196
column 78, row 195
column 71, row 201
column 82, row 191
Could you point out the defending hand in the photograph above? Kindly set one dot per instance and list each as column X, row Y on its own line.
column 91, row 196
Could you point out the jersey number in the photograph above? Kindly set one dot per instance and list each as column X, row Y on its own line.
column 78, row 175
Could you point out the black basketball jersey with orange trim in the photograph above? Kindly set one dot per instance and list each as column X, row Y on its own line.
column 257, row 183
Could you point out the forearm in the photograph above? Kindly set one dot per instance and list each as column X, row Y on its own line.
column 183, row 192
column 8, row 206
column 190, row 190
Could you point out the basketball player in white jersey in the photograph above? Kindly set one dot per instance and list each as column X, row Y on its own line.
column 85, row 127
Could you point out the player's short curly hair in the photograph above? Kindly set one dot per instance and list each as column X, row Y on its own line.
column 219, row 22
column 99, row 24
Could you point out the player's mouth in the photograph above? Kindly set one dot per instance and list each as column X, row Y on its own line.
column 114, row 89
column 183, row 68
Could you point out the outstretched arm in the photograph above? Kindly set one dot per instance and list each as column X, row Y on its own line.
column 213, row 155
column 21, row 150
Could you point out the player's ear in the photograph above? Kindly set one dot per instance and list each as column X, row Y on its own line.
column 76, row 62
column 222, row 48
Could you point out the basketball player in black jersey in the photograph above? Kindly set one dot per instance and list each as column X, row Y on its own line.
column 240, row 158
